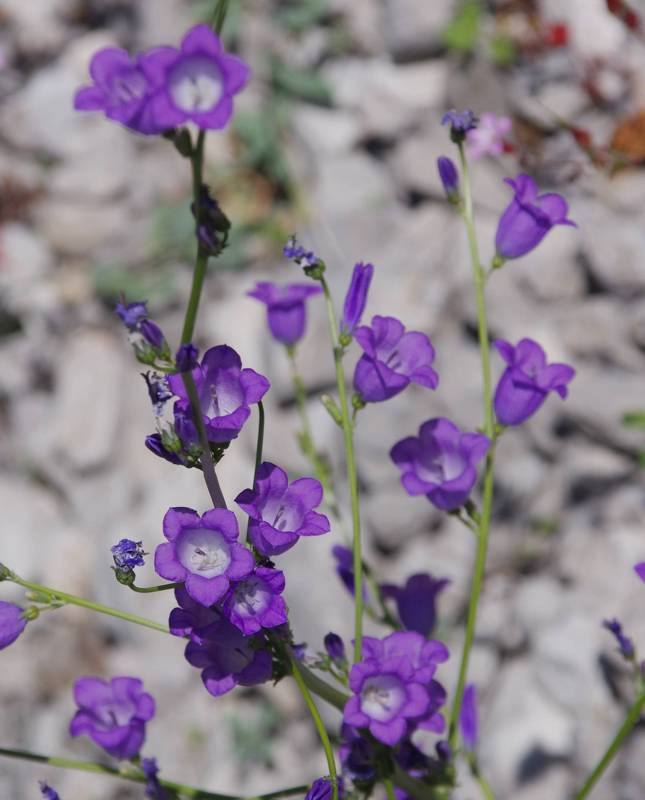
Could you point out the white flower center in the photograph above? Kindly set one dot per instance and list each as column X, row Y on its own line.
column 382, row 697
column 196, row 84
column 204, row 552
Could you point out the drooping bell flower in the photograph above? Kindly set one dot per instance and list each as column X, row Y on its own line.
column 286, row 308
column 416, row 601
column 255, row 602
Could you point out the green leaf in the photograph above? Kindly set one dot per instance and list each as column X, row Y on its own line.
column 461, row 35
column 502, row 51
column 634, row 419
column 301, row 83
column 302, row 15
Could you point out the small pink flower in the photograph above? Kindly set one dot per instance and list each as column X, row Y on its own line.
column 488, row 137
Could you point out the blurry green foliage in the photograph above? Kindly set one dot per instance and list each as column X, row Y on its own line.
column 502, row 51
column 302, row 84
column 462, row 33
column 252, row 738
column 300, row 16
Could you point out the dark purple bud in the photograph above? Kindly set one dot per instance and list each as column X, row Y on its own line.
column 186, row 358
column 460, row 123
column 444, row 753
column 154, row 790
column 356, row 297
column 625, row 644
column 128, row 554
column 299, row 651
column 12, row 623
column 131, row 314
column 155, row 444
column 468, row 722
column 47, row 792
column 334, row 647
column 321, row 789
column 152, row 333
column 449, row 177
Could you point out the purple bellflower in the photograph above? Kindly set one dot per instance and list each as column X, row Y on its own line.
column 639, row 569
column 391, row 360
column 322, row 789
column 280, row 511
column 526, row 381
column 356, row 297
column 488, row 138
column 625, row 644
column 255, row 603
column 449, row 178
column 286, row 308
column 128, row 554
column 423, row 655
column 12, row 623
column 190, row 618
column 203, row 552
column 226, row 392
column 440, row 462
column 460, row 123
column 196, row 83
column 528, row 218
column 47, row 792
column 227, row 659
column 416, row 601
column 113, row 714
column 468, row 718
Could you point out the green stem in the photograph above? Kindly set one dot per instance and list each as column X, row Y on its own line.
column 389, row 789
column 128, row 773
column 352, row 477
column 219, row 15
column 64, row 597
column 320, row 727
column 320, row 687
column 161, row 588
column 489, row 430
column 631, row 719
column 484, row 785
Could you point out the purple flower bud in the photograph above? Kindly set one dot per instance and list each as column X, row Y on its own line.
column 528, row 218
column 334, row 647
column 444, row 752
column 255, row 603
column 128, row 554
column 155, row 444
column 356, row 297
column 468, row 722
column 321, row 789
column 47, row 792
column 113, row 714
column 460, row 123
column 625, row 644
column 294, row 252
column 154, row 790
column 131, row 314
column 449, row 177
column 356, row 754
column 416, row 601
column 186, row 358
column 299, row 651
column 639, row 569
column 152, row 333
column 526, row 381
column 12, row 623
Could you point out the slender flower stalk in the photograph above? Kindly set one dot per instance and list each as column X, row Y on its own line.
column 131, row 773
column 633, row 715
column 53, row 595
column 352, row 477
column 162, row 587
column 483, row 527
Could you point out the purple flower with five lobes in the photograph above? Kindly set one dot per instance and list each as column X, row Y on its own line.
column 255, row 603
column 423, row 655
column 280, row 511
column 416, row 601
column 440, row 462
column 113, row 714
column 356, row 297
column 203, row 552
column 227, row 659
column 526, row 381
column 191, row 619
column 386, row 697
column 286, row 308
column 196, row 83
column 12, row 623
column 449, row 178
column 468, row 718
column 392, row 359
column 225, row 393
column 528, row 218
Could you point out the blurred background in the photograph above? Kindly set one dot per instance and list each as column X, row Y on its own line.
column 336, row 137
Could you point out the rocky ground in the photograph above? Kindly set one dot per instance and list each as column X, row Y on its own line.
column 87, row 208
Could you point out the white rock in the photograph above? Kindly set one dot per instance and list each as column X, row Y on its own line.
column 414, row 27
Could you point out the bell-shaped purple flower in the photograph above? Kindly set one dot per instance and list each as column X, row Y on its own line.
column 424, row 655
column 281, row 512
column 121, row 89
column 191, row 618
column 416, row 601
column 113, row 714
column 440, row 462
column 356, row 297
column 286, row 308
column 392, row 359
column 526, row 381
column 196, row 83
column 203, row 552
column 227, row 659
column 468, row 718
column 449, row 178
column 132, row 314
column 12, row 623
column 226, row 392
column 528, row 218
column 255, row 603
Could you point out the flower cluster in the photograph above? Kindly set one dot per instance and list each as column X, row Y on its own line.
column 164, row 87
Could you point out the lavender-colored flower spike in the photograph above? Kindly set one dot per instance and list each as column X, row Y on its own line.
column 392, row 360
column 460, row 123
column 128, row 554
column 113, row 714
column 416, row 601
column 286, row 308
column 528, row 218
column 196, row 83
column 255, row 603
column 449, row 178
column 203, row 552
column 440, row 462
column 356, row 297
column 625, row 644
column 47, row 792
column 322, row 789
column 639, row 569
column 488, row 138
column 281, row 512
column 526, row 381
column 12, row 623
column 121, row 89
column 468, row 718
